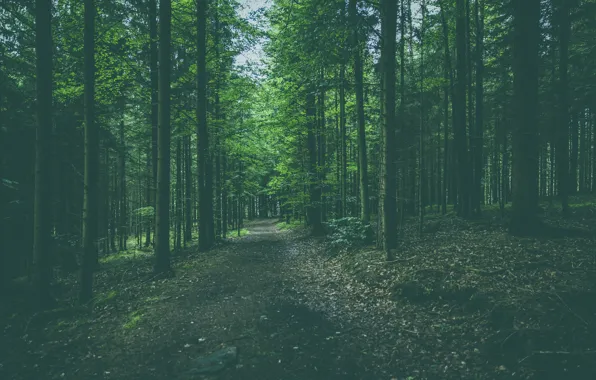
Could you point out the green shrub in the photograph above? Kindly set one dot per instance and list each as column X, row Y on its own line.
column 349, row 232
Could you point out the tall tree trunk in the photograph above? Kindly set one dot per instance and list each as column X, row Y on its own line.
column 525, row 147
column 42, row 228
column 314, row 207
column 459, row 127
column 479, row 130
column 90, row 207
column 123, row 222
column 204, row 162
column 162, row 219
column 389, row 28
column 448, row 91
column 188, row 190
column 154, row 75
column 562, row 129
column 422, row 173
column 343, row 137
column 358, row 81
column 179, row 193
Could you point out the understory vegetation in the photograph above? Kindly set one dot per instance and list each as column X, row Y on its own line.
column 297, row 189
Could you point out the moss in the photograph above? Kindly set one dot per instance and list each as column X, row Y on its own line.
column 104, row 298
column 133, row 320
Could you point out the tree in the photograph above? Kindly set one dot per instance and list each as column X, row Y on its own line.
column 154, row 77
column 562, row 128
column 204, row 161
column 42, row 238
column 91, row 192
column 162, row 215
column 525, row 148
column 388, row 51
column 459, row 102
column 358, row 86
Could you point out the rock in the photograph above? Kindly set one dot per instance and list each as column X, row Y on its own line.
column 215, row 362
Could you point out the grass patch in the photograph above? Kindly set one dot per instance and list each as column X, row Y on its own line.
column 289, row 226
column 243, row 232
column 125, row 256
column 133, row 320
column 104, row 298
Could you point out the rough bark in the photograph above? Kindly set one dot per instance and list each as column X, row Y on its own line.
column 162, row 215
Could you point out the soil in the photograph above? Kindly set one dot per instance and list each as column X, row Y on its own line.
column 479, row 305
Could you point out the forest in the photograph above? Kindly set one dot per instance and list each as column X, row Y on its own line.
column 297, row 189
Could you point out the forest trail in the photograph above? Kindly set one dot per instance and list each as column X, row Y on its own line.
column 251, row 302
column 247, row 293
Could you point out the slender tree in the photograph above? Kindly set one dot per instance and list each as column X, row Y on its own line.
column 153, row 72
column 204, row 162
column 525, row 148
column 459, row 101
column 358, row 81
column 162, row 219
column 562, row 128
column 388, row 51
column 479, row 129
column 42, row 227
column 90, row 203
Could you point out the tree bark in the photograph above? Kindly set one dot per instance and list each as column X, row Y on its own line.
column 565, row 186
column 358, row 81
column 479, row 130
column 389, row 28
column 90, row 207
column 459, row 100
column 162, row 219
column 154, row 75
column 525, row 147
column 204, row 162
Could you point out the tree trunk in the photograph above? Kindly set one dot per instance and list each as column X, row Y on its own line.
column 162, row 219
column 459, row 100
column 389, row 28
column 562, row 128
column 314, row 207
column 525, row 147
column 479, row 130
column 90, row 207
column 154, row 75
column 358, row 80
column 122, row 225
column 204, row 162
column 42, row 227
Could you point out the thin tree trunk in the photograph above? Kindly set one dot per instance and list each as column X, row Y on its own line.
column 463, row 175
column 90, row 207
column 389, row 28
column 162, row 220
column 154, row 75
column 563, row 119
column 358, row 80
column 122, row 225
column 525, row 147
column 42, row 224
column 479, row 130
column 204, row 162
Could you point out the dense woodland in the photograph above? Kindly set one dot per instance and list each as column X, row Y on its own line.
column 160, row 127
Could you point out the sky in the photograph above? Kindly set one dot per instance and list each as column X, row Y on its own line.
column 255, row 54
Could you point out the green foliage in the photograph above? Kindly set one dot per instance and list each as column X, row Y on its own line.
column 133, row 320
column 349, row 232
column 289, row 226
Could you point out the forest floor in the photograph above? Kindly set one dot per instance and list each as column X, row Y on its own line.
column 464, row 300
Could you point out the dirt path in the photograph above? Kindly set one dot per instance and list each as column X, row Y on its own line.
column 250, row 301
